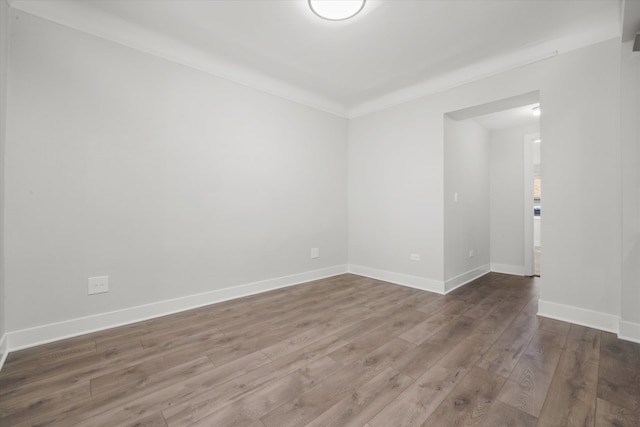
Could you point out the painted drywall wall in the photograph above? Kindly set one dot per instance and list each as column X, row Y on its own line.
column 396, row 190
column 466, row 197
column 580, row 125
column 630, row 137
column 169, row 180
column 4, row 60
column 506, row 153
column 395, row 194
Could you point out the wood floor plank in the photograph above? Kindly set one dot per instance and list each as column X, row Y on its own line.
column 469, row 402
column 358, row 329
column 526, row 388
column 418, row 359
column 417, row 403
column 619, row 376
column 120, row 398
column 309, row 335
column 562, row 408
column 503, row 415
column 571, row 398
column 264, row 398
column 505, row 353
column 585, row 341
column 365, row 402
column 414, row 405
column 394, row 325
column 346, row 350
column 48, row 355
column 155, row 420
column 28, row 409
column 486, row 305
column 611, row 415
column 28, row 385
column 421, row 300
column 135, row 373
column 141, row 406
column 445, row 315
column 202, row 395
column 309, row 405
column 553, row 325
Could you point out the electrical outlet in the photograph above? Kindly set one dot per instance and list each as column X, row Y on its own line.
column 455, row 197
column 98, row 285
column 471, row 253
column 414, row 257
column 315, row 253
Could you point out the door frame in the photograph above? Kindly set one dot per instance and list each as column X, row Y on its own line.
column 529, row 260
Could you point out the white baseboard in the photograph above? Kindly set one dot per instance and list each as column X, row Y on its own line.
column 517, row 270
column 25, row 338
column 398, row 278
column 629, row 331
column 580, row 316
column 4, row 350
column 464, row 278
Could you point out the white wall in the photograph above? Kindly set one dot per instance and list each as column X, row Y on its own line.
column 630, row 136
column 580, row 159
column 580, row 92
column 395, row 196
column 169, row 180
column 4, row 60
column 466, row 220
column 506, row 148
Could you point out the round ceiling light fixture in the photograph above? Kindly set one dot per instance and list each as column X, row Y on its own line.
column 536, row 111
column 336, row 10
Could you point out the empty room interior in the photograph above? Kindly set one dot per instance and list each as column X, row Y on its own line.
column 274, row 213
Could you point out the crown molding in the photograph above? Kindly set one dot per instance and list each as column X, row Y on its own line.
column 79, row 16
column 487, row 68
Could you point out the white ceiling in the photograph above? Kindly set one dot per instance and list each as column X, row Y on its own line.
column 520, row 116
column 393, row 51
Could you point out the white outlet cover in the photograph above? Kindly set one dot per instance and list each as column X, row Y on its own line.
column 315, row 253
column 98, row 285
column 414, row 257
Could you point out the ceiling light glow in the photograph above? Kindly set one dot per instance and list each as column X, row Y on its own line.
column 536, row 111
column 336, row 10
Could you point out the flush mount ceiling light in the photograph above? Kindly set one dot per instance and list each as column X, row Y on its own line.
column 336, row 10
column 536, row 111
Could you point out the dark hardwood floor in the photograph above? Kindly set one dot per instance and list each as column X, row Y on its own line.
column 345, row 351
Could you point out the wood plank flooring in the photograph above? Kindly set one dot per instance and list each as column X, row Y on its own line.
column 344, row 351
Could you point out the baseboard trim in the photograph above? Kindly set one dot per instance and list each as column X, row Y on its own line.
column 629, row 331
column 31, row 337
column 517, row 270
column 464, row 278
column 399, row 278
column 4, row 350
column 580, row 316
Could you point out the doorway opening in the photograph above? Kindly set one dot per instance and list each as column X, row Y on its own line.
column 514, row 181
column 532, row 203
